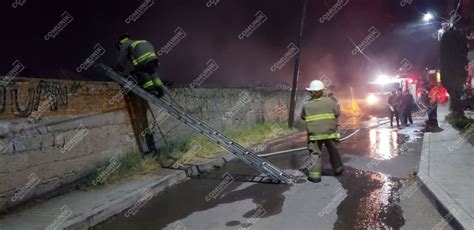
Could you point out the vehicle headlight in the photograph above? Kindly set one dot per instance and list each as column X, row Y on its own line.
column 372, row 99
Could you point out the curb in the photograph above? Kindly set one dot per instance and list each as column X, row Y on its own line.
column 104, row 212
column 438, row 198
column 113, row 208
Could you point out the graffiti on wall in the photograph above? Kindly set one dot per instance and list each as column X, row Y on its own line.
column 12, row 94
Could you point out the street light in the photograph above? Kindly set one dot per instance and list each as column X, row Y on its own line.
column 428, row 17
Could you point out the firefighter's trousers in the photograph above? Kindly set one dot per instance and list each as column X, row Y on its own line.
column 149, row 78
column 315, row 151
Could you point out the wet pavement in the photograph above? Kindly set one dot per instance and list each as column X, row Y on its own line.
column 376, row 191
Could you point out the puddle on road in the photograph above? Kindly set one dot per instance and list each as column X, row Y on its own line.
column 382, row 144
column 371, row 201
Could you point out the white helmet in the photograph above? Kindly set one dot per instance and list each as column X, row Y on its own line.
column 316, row 85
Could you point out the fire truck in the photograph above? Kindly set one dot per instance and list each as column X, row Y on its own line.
column 380, row 90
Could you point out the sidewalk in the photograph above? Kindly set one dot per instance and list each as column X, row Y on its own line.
column 446, row 171
column 83, row 209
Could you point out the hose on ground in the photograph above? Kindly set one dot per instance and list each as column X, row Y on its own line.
column 379, row 123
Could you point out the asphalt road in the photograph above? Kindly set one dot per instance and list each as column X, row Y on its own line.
column 377, row 190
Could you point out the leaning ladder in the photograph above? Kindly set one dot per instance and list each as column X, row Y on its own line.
column 277, row 175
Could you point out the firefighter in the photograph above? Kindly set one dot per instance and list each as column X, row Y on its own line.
column 410, row 105
column 400, row 106
column 320, row 115
column 433, row 95
column 392, row 102
column 138, row 58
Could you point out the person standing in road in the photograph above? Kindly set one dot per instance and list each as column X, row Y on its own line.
column 433, row 96
column 392, row 102
column 320, row 115
column 410, row 104
column 400, row 106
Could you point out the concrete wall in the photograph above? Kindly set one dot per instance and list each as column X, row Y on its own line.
column 76, row 127
column 53, row 133
column 224, row 109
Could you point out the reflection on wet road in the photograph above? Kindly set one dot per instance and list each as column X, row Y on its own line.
column 380, row 143
column 383, row 144
column 371, row 201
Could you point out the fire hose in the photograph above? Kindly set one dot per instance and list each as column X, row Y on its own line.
column 379, row 123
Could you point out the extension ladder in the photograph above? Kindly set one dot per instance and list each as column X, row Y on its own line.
column 277, row 175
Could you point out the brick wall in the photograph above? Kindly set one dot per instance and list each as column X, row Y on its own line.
column 21, row 97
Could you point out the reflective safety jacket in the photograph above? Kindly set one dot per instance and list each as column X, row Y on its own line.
column 135, row 54
column 320, row 116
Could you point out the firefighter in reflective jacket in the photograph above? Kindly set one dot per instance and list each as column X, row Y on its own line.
column 320, row 114
column 138, row 58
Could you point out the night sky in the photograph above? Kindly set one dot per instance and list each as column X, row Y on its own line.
column 212, row 33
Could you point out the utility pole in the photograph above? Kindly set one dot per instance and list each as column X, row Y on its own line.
column 291, row 117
